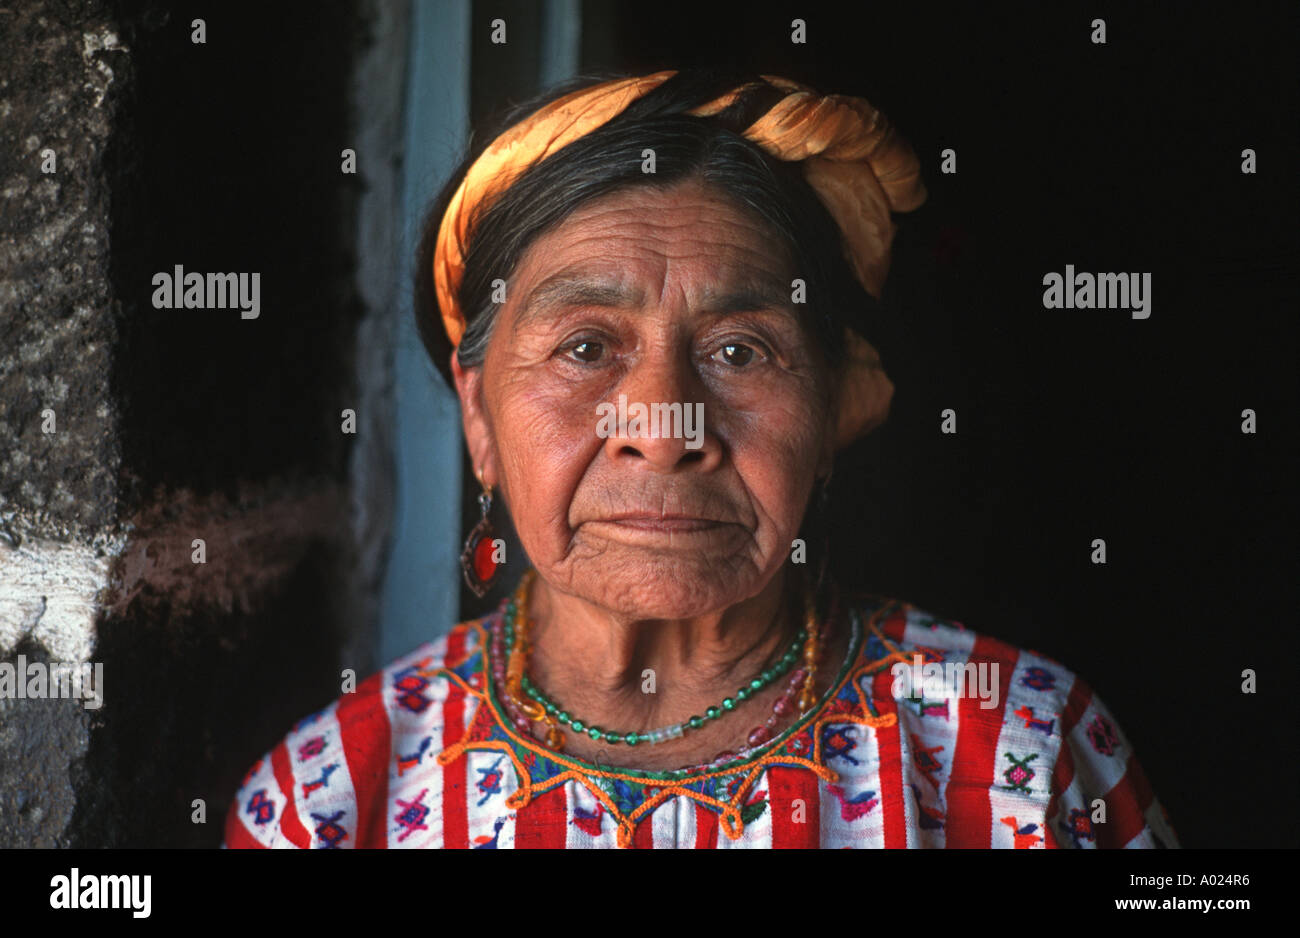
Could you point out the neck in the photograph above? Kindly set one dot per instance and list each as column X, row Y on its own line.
column 637, row 674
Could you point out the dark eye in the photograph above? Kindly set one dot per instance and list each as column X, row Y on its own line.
column 735, row 354
column 587, row 352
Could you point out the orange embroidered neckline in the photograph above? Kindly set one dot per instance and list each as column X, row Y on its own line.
column 491, row 730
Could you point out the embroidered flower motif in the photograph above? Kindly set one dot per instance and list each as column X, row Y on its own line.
column 312, row 747
column 1079, row 826
column 1019, row 775
column 411, row 817
column 1102, row 735
column 838, row 741
column 1038, row 679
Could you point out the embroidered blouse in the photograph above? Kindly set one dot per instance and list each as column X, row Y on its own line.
column 423, row 755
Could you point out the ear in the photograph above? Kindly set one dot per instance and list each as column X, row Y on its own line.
column 865, row 391
column 830, row 441
column 474, row 417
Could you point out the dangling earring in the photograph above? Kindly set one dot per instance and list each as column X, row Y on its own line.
column 478, row 559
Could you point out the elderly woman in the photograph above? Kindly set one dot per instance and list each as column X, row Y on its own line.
column 652, row 293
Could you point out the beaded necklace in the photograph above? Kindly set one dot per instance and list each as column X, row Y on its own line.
column 527, row 704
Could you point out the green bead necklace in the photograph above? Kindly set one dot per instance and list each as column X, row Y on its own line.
column 558, row 715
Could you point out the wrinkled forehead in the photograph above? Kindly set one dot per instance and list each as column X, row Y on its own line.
column 596, row 284
column 628, row 249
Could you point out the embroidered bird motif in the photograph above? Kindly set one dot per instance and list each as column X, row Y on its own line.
column 322, row 782
column 925, row 761
column 484, row 842
column 490, row 783
column 929, row 818
column 1032, row 722
column 853, row 808
column 408, row 762
column 1022, row 837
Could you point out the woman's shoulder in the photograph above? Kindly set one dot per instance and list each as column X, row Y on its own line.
column 912, row 637
column 1037, row 728
column 330, row 763
column 931, row 657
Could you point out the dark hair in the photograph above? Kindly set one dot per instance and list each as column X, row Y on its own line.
column 608, row 159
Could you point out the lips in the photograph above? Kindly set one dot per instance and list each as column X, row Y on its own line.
column 650, row 509
column 656, row 522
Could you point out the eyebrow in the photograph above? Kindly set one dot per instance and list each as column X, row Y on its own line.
column 563, row 289
column 566, row 290
column 752, row 294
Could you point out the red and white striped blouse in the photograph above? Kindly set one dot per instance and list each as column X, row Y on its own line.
column 421, row 755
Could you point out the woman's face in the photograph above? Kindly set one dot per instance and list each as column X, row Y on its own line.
column 662, row 296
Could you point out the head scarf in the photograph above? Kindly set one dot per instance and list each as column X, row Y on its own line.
column 860, row 168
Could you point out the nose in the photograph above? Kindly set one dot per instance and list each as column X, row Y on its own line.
column 661, row 421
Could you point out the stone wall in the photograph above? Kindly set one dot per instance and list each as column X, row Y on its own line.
column 127, row 432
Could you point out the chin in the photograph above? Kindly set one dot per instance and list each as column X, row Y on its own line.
column 666, row 586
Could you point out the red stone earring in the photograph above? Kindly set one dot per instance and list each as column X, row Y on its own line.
column 478, row 559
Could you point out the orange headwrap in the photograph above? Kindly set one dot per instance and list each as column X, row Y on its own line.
column 855, row 162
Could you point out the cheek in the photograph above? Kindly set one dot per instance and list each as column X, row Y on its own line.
column 545, row 441
column 773, row 442
column 778, row 476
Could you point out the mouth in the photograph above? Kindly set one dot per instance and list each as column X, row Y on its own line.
column 665, row 523
column 654, row 528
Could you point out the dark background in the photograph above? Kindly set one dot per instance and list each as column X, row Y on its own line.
column 1083, row 423
column 1072, row 424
